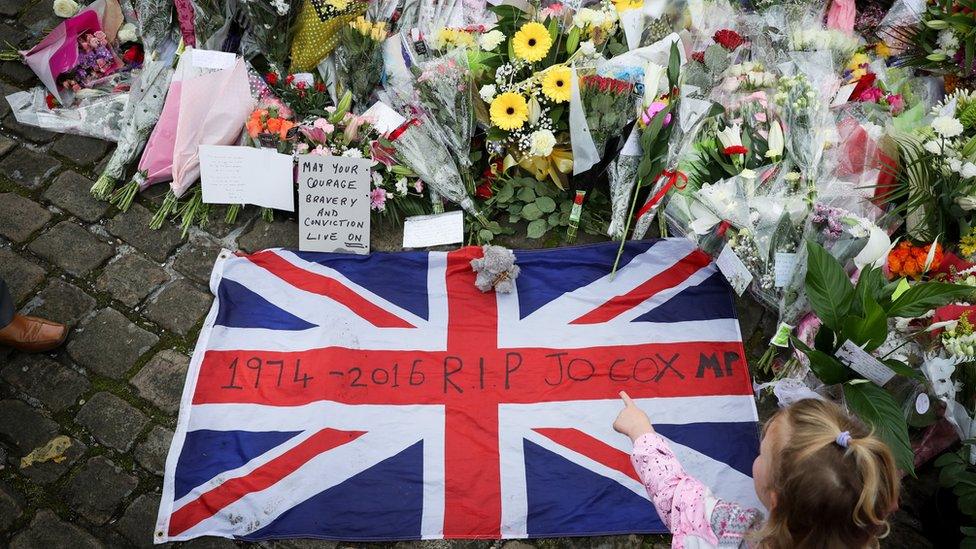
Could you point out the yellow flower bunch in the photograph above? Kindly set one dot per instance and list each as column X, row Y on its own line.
column 967, row 244
column 532, row 42
column 624, row 5
column 451, row 38
column 376, row 31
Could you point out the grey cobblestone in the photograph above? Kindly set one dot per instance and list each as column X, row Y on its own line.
column 98, row 488
column 10, row 8
column 20, row 217
column 21, row 275
column 196, row 260
column 151, row 453
column 47, row 531
column 130, row 278
column 28, row 168
column 139, row 520
column 71, row 192
column 178, row 307
column 11, row 505
column 55, row 385
column 78, row 149
column 72, row 248
column 269, row 235
column 113, row 421
column 133, row 227
column 61, row 302
column 110, row 344
column 160, row 381
column 25, row 427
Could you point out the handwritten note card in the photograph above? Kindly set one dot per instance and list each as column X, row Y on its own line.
column 734, row 269
column 783, row 268
column 421, row 231
column 384, row 118
column 333, row 198
column 246, row 175
column 210, row 59
column 864, row 363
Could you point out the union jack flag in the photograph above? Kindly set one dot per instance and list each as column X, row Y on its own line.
column 384, row 397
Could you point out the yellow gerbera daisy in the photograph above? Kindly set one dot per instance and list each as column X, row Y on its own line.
column 556, row 84
column 509, row 111
column 531, row 42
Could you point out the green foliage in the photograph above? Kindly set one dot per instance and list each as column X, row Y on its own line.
column 878, row 408
column 957, row 474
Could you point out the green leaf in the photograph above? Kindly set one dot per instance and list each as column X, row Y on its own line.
column 946, row 459
column 573, row 40
column 827, row 368
column 674, row 65
column 829, row 289
column 505, row 193
column 546, row 204
column 537, row 228
column 531, row 212
column 878, row 409
column 526, row 194
column 485, row 235
column 871, row 330
column 922, row 298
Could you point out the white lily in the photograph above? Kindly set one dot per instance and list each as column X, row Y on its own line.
column 775, row 140
column 876, row 249
column 730, row 136
column 653, row 73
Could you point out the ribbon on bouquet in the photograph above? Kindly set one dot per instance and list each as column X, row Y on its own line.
column 672, row 181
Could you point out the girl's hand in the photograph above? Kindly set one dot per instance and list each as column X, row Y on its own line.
column 632, row 421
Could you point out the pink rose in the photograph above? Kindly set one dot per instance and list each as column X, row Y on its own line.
column 871, row 95
column 897, row 103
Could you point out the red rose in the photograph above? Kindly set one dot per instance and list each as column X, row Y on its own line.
column 484, row 191
column 271, row 78
column 133, row 55
column 51, row 102
column 289, row 79
column 728, row 39
column 319, row 87
column 301, row 85
column 699, row 56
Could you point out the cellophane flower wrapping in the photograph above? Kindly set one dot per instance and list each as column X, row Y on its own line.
column 443, row 86
column 317, row 30
column 60, row 52
column 359, row 59
column 418, row 146
column 213, row 109
column 95, row 113
column 271, row 24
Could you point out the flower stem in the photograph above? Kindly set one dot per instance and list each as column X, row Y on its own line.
column 124, row 195
column 166, row 209
column 623, row 236
column 103, row 187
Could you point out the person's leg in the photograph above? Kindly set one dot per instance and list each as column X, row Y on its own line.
column 27, row 333
column 6, row 305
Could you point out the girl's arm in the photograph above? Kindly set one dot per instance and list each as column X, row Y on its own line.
column 680, row 499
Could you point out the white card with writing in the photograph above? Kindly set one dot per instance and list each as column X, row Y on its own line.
column 384, row 118
column 843, row 95
column 734, row 269
column 246, row 175
column 864, row 363
column 784, row 266
column 423, row 231
column 210, row 59
column 333, row 204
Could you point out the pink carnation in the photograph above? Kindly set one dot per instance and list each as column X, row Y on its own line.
column 897, row 103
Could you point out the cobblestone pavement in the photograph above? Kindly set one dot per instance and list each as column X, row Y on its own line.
column 135, row 299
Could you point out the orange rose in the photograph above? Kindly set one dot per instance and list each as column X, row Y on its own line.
column 274, row 125
column 254, row 127
column 285, row 126
column 909, row 260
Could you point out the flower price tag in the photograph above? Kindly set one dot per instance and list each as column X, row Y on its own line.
column 783, row 268
column 863, row 363
column 734, row 269
column 333, row 204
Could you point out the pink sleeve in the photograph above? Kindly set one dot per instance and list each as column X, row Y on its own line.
column 678, row 498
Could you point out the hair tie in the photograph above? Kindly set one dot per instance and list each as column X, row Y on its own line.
column 843, row 439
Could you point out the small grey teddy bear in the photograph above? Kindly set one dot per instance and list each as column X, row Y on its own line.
column 497, row 269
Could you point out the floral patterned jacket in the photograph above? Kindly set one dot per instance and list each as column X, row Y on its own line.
column 695, row 517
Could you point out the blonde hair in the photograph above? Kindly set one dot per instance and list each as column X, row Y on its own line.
column 828, row 495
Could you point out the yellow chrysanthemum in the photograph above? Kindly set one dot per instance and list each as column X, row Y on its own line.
column 556, row 84
column 531, row 42
column 882, row 50
column 509, row 111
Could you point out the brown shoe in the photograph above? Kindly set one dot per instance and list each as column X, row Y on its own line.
column 32, row 335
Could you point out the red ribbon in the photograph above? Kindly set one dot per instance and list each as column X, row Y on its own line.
column 673, row 177
column 402, row 128
column 722, row 228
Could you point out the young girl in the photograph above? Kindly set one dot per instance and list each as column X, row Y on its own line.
column 826, row 481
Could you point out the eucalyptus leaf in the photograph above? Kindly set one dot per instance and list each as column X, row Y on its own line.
column 546, row 204
column 526, row 194
column 531, row 212
column 506, row 193
column 537, row 228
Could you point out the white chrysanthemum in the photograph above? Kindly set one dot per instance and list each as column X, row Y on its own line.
column 487, row 92
column 948, row 40
column 968, row 170
column 947, row 126
column 491, row 39
column 587, row 48
column 542, row 142
column 65, row 8
column 128, row 33
column 933, row 147
column 353, row 153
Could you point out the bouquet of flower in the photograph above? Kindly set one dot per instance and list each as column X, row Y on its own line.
column 271, row 24
column 359, row 59
column 443, row 86
column 270, row 126
column 416, row 145
column 304, row 93
column 317, row 30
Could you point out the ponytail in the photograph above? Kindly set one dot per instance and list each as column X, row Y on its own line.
column 835, row 482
